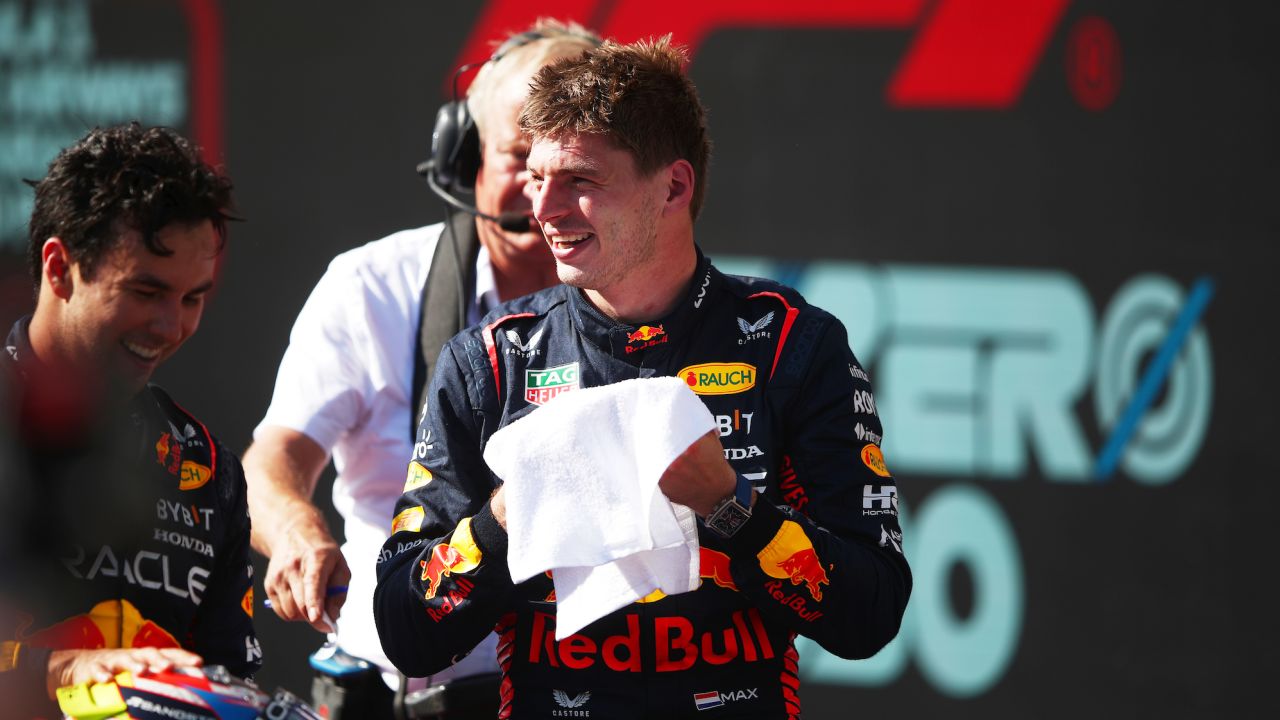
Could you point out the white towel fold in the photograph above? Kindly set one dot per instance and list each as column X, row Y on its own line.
column 581, row 488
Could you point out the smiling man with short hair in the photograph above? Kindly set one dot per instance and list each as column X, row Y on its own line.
column 138, row 527
column 797, row 518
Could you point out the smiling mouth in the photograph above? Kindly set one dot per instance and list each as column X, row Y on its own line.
column 564, row 242
column 143, row 352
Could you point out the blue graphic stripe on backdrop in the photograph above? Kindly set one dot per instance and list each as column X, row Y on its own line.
column 1153, row 379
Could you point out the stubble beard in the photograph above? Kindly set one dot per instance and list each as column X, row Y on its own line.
column 637, row 243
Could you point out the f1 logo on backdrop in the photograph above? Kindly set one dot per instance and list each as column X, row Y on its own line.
column 975, row 54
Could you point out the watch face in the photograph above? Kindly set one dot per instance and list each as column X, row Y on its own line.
column 728, row 518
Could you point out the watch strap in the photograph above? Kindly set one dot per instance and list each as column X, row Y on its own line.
column 731, row 513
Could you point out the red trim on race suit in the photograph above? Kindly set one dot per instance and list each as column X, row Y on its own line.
column 786, row 324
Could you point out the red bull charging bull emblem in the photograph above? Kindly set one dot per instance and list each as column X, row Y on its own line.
column 169, row 453
column 445, row 560
column 791, row 557
column 109, row 624
column 714, row 566
column 647, row 336
column 458, row 555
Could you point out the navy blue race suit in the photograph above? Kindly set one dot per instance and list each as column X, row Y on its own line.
column 135, row 527
column 821, row 555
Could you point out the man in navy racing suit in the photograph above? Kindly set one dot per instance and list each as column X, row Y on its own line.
column 798, row 526
column 134, row 547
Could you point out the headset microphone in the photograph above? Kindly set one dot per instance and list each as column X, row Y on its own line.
column 509, row 221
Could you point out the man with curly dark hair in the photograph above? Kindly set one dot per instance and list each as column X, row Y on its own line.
column 137, row 550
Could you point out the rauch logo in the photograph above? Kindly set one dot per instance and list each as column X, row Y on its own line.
column 719, row 378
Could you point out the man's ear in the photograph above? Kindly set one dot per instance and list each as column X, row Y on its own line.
column 55, row 263
column 679, row 185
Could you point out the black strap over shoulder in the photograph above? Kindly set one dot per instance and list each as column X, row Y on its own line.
column 444, row 304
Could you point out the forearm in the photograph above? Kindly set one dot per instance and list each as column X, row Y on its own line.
column 282, row 468
column 437, row 601
column 25, row 679
column 846, row 593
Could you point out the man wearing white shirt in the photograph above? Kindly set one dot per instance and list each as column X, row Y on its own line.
column 355, row 367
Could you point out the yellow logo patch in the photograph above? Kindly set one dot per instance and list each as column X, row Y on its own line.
column 193, row 475
column 719, row 378
column 417, row 477
column 246, row 602
column 790, row 556
column 873, row 458
column 409, row 519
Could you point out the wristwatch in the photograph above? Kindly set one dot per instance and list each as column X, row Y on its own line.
column 733, row 512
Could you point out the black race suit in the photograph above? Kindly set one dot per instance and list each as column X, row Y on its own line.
column 134, row 528
column 820, row 557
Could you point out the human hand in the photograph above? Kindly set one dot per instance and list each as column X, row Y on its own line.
column 305, row 562
column 72, row 667
column 700, row 477
column 498, row 506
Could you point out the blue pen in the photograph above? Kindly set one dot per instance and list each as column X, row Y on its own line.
column 330, row 592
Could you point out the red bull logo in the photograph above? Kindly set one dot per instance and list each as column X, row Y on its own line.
column 648, row 336
column 644, row 333
column 804, row 567
column 791, row 557
column 109, row 624
column 445, row 560
column 459, row 555
column 714, row 566
column 169, row 453
column 677, row 644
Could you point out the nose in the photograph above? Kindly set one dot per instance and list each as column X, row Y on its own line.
column 171, row 322
column 549, row 201
column 167, row 323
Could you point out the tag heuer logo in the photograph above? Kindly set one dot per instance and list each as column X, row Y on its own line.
column 542, row 385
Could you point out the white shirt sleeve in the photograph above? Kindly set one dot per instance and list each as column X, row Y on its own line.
column 323, row 385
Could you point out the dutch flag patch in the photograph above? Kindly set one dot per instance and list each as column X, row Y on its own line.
column 707, row 700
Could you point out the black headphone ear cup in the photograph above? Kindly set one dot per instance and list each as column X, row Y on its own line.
column 466, row 158
column 455, row 147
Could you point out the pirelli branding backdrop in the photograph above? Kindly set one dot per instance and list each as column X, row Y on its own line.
column 1049, row 226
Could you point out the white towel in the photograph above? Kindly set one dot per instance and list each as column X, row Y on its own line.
column 581, row 488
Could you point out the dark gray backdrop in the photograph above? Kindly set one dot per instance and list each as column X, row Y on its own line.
column 1136, row 599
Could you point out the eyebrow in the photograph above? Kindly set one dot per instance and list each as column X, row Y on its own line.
column 152, row 281
column 581, row 167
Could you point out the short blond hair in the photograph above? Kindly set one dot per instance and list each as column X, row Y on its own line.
column 523, row 53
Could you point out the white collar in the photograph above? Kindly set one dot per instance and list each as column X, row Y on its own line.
column 486, row 297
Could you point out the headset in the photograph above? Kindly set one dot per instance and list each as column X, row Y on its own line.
column 455, row 143
column 451, row 170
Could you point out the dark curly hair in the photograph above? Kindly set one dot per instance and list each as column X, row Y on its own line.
column 638, row 95
column 120, row 178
